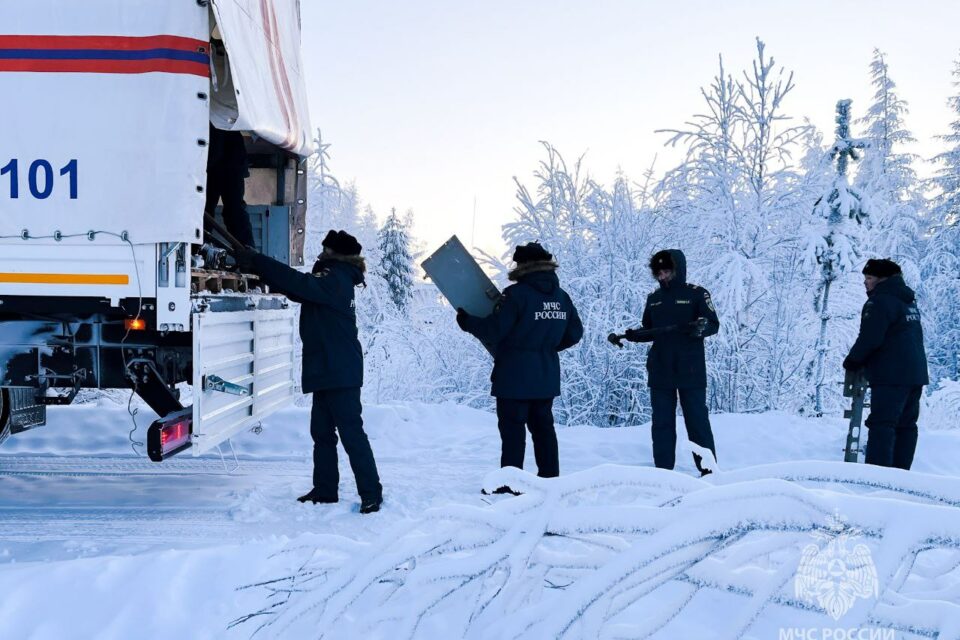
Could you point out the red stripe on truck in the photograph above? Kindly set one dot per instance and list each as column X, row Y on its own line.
column 104, row 54
column 125, row 43
column 106, row 66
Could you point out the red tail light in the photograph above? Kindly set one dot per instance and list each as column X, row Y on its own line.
column 135, row 324
column 170, row 435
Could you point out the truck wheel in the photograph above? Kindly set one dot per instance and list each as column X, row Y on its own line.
column 4, row 416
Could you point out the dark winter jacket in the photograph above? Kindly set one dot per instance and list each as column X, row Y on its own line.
column 890, row 344
column 676, row 360
column 533, row 321
column 332, row 358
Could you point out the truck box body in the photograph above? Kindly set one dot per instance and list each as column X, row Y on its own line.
column 104, row 127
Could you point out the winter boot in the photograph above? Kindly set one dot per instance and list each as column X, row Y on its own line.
column 370, row 506
column 317, row 498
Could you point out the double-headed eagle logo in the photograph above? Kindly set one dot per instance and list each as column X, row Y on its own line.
column 837, row 571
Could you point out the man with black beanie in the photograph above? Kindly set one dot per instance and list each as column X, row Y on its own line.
column 676, row 319
column 890, row 350
column 533, row 321
column 332, row 361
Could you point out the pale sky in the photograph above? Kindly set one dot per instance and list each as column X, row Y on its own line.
column 431, row 105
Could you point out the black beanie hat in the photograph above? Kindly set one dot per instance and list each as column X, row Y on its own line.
column 881, row 268
column 342, row 242
column 531, row 252
column 661, row 260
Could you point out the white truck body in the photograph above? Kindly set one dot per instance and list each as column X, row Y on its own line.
column 104, row 126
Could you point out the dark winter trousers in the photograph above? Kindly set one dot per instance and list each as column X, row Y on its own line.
column 892, row 425
column 664, row 428
column 228, row 185
column 339, row 410
column 537, row 416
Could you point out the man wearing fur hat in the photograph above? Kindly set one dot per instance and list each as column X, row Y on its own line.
column 890, row 350
column 533, row 321
column 332, row 361
column 677, row 317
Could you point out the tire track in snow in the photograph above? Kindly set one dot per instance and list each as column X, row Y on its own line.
column 48, row 466
column 51, row 506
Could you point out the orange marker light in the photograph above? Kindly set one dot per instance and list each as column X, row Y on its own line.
column 135, row 324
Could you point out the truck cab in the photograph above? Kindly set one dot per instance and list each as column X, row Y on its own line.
column 108, row 274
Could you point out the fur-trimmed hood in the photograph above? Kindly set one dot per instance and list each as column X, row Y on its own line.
column 327, row 258
column 541, row 275
column 527, row 268
column 673, row 259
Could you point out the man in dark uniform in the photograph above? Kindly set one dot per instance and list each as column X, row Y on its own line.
column 226, row 171
column 533, row 321
column 332, row 361
column 890, row 348
column 677, row 317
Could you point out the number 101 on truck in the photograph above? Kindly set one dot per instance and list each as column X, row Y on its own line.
column 108, row 277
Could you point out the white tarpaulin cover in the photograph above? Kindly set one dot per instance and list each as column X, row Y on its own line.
column 103, row 103
column 265, row 91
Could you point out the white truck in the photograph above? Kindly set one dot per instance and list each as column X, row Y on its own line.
column 105, row 110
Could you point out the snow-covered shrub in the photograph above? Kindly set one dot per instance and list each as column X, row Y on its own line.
column 941, row 408
column 602, row 240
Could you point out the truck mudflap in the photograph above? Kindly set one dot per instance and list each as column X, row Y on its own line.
column 244, row 370
column 22, row 409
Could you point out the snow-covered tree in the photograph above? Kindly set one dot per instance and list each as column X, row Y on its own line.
column 886, row 176
column 833, row 247
column 785, row 282
column 946, row 182
column 941, row 263
column 396, row 259
column 601, row 238
column 736, row 201
column 326, row 204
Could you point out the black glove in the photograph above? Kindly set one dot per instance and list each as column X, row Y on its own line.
column 614, row 339
column 634, row 335
column 850, row 364
column 696, row 328
column 462, row 318
column 244, row 258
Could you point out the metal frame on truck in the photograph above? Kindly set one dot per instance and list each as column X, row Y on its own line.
column 103, row 283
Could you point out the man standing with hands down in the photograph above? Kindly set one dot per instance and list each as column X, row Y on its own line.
column 890, row 349
column 533, row 321
column 677, row 317
column 332, row 361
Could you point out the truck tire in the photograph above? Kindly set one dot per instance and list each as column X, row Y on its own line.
column 4, row 416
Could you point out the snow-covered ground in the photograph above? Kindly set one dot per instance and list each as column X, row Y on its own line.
column 96, row 542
